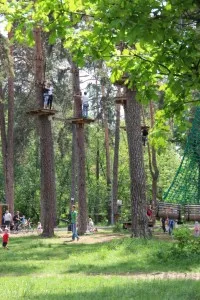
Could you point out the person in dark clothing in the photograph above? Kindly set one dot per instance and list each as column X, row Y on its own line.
column 163, row 221
column 3, row 220
column 16, row 220
column 45, row 96
column 144, row 135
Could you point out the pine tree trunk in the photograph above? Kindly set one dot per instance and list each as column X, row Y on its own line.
column 7, row 138
column 82, row 204
column 107, row 147
column 48, row 189
column 153, row 166
column 97, row 199
column 115, row 165
column 73, row 167
column 10, row 147
column 137, row 175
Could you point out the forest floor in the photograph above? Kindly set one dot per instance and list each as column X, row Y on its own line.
column 103, row 265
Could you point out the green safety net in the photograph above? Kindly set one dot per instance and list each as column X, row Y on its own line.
column 185, row 188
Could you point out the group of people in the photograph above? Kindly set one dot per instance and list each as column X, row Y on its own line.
column 48, row 99
column 13, row 222
column 168, row 225
column 47, row 95
column 85, row 103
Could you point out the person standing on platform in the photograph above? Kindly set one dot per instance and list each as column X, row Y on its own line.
column 45, row 95
column 73, row 222
column 85, row 105
column 50, row 96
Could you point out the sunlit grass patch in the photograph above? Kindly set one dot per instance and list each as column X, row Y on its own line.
column 36, row 268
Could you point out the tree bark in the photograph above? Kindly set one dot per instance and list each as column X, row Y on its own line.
column 7, row 138
column 73, row 168
column 115, row 165
column 97, row 200
column 48, row 188
column 107, row 147
column 137, row 175
column 80, row 144
column 153, row 165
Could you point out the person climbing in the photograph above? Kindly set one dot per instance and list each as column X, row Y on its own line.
column 45, row 95
column 85, row 105
column 50, row 96
column 144, row 135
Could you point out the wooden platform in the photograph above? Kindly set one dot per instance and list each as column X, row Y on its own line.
column 128, row 225
column 121, row 81
column 142, row 127
column 145, row 127
column 80, row 120
column 42, row 111
column 120, row 100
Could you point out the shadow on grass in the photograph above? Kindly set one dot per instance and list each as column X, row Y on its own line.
column 114, row 257
column 147, row 290
column 17, row 270
column 36, row 248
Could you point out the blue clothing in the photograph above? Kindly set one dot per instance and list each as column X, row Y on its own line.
column 171, row 226
column 74, row 232
column 85, row 110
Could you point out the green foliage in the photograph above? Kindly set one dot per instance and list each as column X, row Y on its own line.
column 186, row 242
column 168, row 161
column 117, row 227
column 153, row 35
column 185, row 245
column 183, row 236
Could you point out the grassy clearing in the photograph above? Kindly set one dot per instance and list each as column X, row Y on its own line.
column 36, row 268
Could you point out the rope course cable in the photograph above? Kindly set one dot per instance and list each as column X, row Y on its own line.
column 185, row 187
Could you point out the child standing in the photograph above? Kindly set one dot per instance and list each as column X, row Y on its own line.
column 196, row 229
column 5, row 238
column 171, row 226
column 39, row 228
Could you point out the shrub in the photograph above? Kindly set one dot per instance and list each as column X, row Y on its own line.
column 183, row 236
column 117, row 227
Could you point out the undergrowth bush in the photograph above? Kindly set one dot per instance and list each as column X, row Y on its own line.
column 185, row 245
column 117, row 227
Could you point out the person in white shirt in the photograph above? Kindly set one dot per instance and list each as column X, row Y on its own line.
column 50, row 94
column 85, row 104
column 7, row 219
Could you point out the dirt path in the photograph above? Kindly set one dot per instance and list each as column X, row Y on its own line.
column 156, row 275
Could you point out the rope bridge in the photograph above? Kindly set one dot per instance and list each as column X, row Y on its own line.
column 185, row 188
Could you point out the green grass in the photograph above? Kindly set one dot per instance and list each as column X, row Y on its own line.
column 36, row 268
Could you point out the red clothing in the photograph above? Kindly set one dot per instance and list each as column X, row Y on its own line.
column 149, row 212
column 5, row 237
